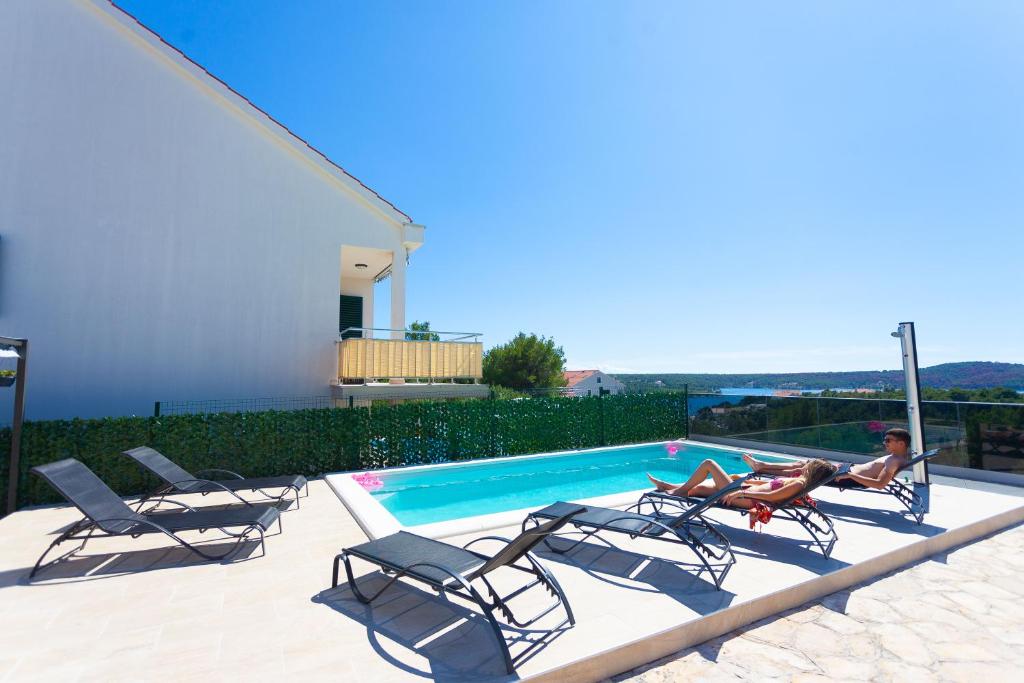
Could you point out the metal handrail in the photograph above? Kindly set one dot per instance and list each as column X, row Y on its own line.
column 464, row 335
column 866, row 398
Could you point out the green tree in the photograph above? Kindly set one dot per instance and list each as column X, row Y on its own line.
column 525, row 362
column 421, row 332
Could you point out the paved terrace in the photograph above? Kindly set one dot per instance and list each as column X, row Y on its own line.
column 952, row 617
column 140, row 610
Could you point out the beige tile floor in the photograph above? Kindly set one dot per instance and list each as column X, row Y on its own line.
column 953, row 617
column 139, row 610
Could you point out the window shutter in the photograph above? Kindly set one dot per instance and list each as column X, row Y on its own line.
column 350, row 314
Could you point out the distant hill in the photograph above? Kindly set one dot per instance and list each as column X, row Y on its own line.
column 969, row 375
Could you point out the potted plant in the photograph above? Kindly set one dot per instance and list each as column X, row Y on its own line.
column 7, row 378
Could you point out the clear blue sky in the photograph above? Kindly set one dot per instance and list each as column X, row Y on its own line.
column 690, row 187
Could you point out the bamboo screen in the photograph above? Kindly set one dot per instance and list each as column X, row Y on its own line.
column 374, row 358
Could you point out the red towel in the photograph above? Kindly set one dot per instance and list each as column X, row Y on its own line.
column 763, row 513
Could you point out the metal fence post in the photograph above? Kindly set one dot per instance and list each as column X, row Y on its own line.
column 14, row 473
column 600, row 412
column 817, row 418
column 686, row 411
column 156, row 408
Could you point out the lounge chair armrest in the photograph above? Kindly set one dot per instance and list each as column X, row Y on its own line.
column 234, row 475
column 216, row 484
column 161, row 502
column 927, row 455
column 487, row 538
column 146, row 522
column 441, row 568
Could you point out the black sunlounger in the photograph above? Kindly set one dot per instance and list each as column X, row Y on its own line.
column 450, row 569
column 906, row 495
column 814, row 521
column 178, row 480
column 107, row 515
column 688, row 527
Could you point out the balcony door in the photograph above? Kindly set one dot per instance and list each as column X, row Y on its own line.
column 350, row 314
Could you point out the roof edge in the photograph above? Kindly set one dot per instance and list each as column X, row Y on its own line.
column 272, row 125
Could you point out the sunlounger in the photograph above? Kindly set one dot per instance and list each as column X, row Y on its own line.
column 178, row 480
column 906, row 495
column 453, row 570
column 795, row 508
column 107, row 515
column 688, row 528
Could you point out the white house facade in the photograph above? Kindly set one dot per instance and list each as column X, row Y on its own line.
column 591, row 383
column 160, row 236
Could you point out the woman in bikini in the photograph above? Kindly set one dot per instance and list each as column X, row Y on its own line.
column 807, row 476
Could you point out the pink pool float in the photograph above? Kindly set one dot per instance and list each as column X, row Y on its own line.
column 368, row 480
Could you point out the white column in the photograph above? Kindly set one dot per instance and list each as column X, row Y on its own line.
column 398, row 293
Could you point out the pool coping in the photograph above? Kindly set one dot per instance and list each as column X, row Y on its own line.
column 376, row 522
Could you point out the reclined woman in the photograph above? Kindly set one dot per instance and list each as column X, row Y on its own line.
column 806, row 476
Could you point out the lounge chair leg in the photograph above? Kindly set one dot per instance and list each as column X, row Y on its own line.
column 707, row 565
column 334, row 571
column 60, row 539
column 805, row 517
column 502, row 645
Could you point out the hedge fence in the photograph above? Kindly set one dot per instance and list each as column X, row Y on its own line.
column 317, row 441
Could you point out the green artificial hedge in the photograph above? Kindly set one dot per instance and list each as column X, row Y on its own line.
column 316, row 441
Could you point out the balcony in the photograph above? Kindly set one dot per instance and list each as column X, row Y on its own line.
column 396, row 368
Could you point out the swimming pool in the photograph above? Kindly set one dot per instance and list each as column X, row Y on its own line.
column 437, row 496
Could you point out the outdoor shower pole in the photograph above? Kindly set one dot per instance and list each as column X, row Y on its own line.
column 915, row 418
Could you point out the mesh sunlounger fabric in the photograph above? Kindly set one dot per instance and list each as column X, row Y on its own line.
column 261, row 515
column 402, row 549
column 526, row 541
column 161, row 466
column 285, row 481
column 184, row 481
column 628, row 522
column 87, row 492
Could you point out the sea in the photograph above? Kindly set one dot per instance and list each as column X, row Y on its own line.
column 758, row 391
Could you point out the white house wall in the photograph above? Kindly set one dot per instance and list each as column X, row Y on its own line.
column 590, row 384
column 157, row 242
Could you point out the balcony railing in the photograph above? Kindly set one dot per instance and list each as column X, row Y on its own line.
column 369, row 359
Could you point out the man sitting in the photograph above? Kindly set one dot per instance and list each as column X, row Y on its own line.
column 875, row 474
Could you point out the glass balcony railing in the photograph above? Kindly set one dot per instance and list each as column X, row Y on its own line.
column 987, row 436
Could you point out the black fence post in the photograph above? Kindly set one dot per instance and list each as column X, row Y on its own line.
column 492, row 451
column 686, row 411
column 600, row 411
column 156, row 408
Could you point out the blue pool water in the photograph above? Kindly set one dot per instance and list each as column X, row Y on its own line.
column 443, row 493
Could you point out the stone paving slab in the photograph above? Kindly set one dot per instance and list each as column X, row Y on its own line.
column 953, row 617
column 139, row 610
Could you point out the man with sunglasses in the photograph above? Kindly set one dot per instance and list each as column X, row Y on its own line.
column 875, row 474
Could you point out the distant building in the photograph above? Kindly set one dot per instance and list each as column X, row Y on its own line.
column 590, row 383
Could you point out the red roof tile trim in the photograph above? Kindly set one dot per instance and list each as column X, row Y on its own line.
column 574, row 377
column 250, row 103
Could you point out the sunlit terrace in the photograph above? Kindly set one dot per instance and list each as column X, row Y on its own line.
column 135, row 609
